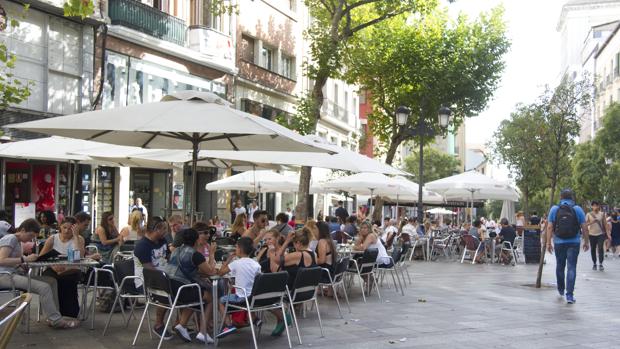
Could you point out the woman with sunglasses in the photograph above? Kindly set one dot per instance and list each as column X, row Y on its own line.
column 108, row 238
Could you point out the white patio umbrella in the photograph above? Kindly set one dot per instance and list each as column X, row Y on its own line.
column 440, row 210
column 508, row 211
column 184, row 120
column 367, row 182
column 255, row 181
column 342, row 159
column 473, row 185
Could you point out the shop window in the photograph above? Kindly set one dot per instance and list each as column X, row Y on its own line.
column 247, row 48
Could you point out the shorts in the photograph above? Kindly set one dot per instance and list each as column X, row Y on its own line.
column 232, row 298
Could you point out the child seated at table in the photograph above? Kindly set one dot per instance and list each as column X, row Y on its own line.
column 244, row 269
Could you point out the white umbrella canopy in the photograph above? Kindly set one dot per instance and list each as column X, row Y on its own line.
column 342, row 159
column 440, row 210
column 428, row 197
column 255, row 181
column 183, row 120
column 66, row 149
column 473, row 185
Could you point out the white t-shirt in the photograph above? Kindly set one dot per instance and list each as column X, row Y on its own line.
column 251, row 214
column 239, row 210
column 244, row 270
column 389, row 230
column 409, row 229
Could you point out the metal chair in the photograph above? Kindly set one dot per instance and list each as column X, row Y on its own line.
column 472, row 246
column 8, row 324
column 365, row 266
column 98, row 280
column 509, row 248
column 159, row 294
column 338, row 280
column 304, row 291
column 518, row 247
column 397, row 256
column 124, row 271
column 268, row 293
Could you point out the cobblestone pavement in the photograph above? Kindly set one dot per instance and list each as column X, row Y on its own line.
column 449, row 305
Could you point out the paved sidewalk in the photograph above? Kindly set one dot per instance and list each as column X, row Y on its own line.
column 450, row 305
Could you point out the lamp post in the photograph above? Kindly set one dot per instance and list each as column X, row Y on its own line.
column 421, row 130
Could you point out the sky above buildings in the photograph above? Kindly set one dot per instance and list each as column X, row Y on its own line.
column 531, row 63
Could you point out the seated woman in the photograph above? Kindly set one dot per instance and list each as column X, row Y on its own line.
column 108, row 239
column 238, row 228
column 311, row 224
column 133, row 231
column 303, row 257
column 368, row 240
column 12, row 260
column 325, row 250
column 67, row 277
column 186, row 265
column 273, row 241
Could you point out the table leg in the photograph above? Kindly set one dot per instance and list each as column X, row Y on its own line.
column 492, row 251
column 216, row 304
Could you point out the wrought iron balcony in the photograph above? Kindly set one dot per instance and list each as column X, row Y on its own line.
column 149, row 20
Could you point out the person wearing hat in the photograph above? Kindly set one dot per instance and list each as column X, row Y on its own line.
column 567, row 228
column 176, row 198
column 598, row 232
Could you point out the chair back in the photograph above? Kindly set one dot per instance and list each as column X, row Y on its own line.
column 269, row 288
column 9, row 323
column 157, row 286
column 400, row 254
column 340, row 268
column 470, row 242
column 506, row 245
column 305, row 285
column 123, row 269
column 368, row 260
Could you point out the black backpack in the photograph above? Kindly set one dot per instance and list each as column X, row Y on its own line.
column 566, row 224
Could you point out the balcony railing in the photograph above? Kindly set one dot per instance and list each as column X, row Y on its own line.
column 335, row 111
column 149, row 20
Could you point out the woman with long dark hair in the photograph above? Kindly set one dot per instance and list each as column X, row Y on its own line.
column 108, row 238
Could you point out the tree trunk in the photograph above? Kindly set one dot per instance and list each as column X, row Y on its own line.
column 389, row 158
column 543, row 234
column 377, row 208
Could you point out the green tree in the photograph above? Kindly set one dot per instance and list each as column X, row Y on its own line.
column 515, row 144
column 424, row 63
column 436, row 164
column 608, row 142
column 589, row 172
column 334, row 23
column 12, row 90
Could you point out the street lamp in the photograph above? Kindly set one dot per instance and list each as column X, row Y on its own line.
column 421, row 130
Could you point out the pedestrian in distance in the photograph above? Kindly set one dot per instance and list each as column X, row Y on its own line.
column 566, row 228
column 598, row 232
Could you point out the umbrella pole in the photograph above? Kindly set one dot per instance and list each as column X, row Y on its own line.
column 396, row 215
column 74, row 172
column 192, row 193
column 370, row 208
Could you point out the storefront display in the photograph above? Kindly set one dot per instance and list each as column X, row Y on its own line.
column 104, row 191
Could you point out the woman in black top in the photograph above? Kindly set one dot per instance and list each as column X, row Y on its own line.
column 325, row 250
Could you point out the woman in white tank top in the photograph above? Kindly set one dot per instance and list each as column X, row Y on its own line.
column 368, row 240
column 133, row 231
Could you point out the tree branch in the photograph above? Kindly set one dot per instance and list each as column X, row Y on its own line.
column 348, row 8
column 329, row 8
column 376, row 20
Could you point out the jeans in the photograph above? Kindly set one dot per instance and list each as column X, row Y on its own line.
column 564, row 253
column 597, row 243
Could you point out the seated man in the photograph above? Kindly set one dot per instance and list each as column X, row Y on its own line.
column 12, row 258
column 507, row 233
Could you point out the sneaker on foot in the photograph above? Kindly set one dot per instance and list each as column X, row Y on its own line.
column 570, row 299
column 183, row 333
column 226, row 331
column 204, row 338
column 561, row 293
column 159, row 331
column 601, row 267
column 277, row 331
column 594, row 267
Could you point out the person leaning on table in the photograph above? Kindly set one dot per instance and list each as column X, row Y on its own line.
column 13, row 260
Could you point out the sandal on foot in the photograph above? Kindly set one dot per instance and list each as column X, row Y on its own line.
column 65, row 324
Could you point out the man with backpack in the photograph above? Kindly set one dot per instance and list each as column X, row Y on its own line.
column 567, row 223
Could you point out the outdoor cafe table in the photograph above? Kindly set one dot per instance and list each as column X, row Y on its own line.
column 82, row 264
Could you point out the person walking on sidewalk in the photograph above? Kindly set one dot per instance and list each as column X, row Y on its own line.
column 598, row 232
column 566, row 226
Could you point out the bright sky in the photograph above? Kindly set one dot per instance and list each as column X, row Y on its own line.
column 531, row 63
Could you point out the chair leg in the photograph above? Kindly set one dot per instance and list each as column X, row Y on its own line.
column 393, row 279
column 362, row 287
column 146, row 309
column 337, row 301
column 318, row 314
column 376, row 284
column 464, row 252
column 295, row 322
column 473, row 261
column 112, row 312
column 161, row 339
column 346, row 297
column 252, row 329
column 286, row 325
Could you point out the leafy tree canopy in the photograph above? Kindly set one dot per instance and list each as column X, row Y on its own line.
column 437, row 164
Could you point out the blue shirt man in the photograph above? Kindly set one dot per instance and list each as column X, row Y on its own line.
column 567, row 249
